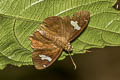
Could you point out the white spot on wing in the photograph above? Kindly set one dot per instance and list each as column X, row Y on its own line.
column 44, row 66
column 44, row 57
column 75, row 25
column 40, row 31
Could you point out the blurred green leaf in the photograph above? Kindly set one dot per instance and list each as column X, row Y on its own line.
column 103, row 29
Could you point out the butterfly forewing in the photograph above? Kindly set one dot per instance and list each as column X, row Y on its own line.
column 82, row 19
column 62, row 26
column 57, row 26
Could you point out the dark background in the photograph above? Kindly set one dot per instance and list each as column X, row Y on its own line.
column 100, row 64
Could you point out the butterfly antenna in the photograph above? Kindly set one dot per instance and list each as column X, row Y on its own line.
column 72, row 61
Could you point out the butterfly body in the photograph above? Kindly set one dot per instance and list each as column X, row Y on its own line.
column 55, row 35
column 60, row 42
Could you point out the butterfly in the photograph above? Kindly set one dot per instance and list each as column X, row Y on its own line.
column 54, row 36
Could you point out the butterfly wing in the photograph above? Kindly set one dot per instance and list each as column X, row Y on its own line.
column 44, row 58
column 45, row 52
column 82, row 19
column 62, row 27
column 55, row 25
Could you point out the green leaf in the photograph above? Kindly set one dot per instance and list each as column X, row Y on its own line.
column 103, row 29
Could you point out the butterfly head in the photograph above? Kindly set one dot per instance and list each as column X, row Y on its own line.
column 68, row 47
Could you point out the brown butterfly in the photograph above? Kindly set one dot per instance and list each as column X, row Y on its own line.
column 55, row 35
